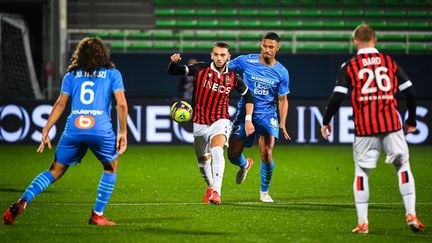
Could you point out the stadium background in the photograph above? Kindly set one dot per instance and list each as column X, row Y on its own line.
column 316, row 39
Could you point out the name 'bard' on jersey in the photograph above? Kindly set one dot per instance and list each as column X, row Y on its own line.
column 211, row 92
column 91, row 96
column 265, row 82
column 373, row 78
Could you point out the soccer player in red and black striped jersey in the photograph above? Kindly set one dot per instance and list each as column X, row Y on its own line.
column 213, row 83
column 373, row 79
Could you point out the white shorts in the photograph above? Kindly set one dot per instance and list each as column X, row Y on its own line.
column 203, row 135
column 367, row 149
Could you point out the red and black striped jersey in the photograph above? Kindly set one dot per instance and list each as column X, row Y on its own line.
column 211, row 91
column 373, row 79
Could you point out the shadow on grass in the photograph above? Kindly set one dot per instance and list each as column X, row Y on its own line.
column 133, row 229
column 14, row 190
column 305, row 206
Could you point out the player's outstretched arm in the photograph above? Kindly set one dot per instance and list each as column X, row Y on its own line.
column 55, row 114
column 283, row 113
column 122, row 111
column 174, row 68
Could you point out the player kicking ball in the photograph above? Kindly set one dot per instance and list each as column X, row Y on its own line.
column 90, row 82
column 374, row 78
column 213, row 83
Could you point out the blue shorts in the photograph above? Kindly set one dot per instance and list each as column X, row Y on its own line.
column 267, row 124
column 72, row 148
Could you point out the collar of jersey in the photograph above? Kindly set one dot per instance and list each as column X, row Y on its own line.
column 214, row 69
column 367, row 50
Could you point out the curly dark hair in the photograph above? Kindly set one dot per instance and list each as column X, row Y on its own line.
column 90, row 54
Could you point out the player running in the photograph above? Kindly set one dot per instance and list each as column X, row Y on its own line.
column 213, row 83
column 269, row 81
column 90, row 82
column 374, row 78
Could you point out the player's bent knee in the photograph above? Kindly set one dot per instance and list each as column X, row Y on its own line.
column 267, row 156
column 110, row 167
column 57, row 170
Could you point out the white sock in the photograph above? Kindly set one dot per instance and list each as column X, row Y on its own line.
column 206, row 173
column 407, row 187
column 361, row 193
column 218, row 167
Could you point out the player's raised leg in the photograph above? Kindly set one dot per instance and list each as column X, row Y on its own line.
column 266, row 143
column 361, row 197
column 39, row 184
column 104, row 192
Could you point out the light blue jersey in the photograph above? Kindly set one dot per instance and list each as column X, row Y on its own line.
column 91, row 97
column 265, row 82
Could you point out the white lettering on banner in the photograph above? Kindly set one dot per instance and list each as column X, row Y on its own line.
column 22, row 114
column 300, row 124
column 346, row 124
column 315, row 115
column 153, row 124
column 135, row 129
column 182, row 134
column 422, row 129
column 38, row 120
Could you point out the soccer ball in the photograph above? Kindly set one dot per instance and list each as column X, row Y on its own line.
column 181, row 111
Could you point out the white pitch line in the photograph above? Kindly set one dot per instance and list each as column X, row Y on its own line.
column 227, row 203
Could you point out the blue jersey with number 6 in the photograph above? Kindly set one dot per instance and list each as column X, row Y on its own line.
column 91, row 96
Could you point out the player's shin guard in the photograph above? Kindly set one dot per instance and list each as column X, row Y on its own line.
column 218, row 167
column 206, row 173
column 240, row 161
column 105, row 189
column 266, row 172
column 38, row 185
column 407, row 187
column 361, row 193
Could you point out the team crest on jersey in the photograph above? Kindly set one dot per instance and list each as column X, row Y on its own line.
column 227, row 80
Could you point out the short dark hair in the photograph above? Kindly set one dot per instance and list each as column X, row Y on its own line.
column 272, row 36
column 222, row 45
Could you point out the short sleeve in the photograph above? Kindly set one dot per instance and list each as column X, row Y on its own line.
column 237, row 64
column 67, row 84
column 284, row 85
column 116, row 81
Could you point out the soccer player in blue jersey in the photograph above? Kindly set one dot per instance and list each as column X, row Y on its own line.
column 268, row 81
column 90, row 82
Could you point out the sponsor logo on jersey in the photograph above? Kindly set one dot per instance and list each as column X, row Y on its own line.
column 252, row 60
column 84, row 122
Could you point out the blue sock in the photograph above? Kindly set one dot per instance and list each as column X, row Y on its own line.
column 240, row 161
column 266, row 171
column 38, row 185
column 105, row 189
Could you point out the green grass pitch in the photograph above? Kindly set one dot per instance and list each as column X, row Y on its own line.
column 159, row 191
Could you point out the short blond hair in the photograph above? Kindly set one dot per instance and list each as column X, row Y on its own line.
column 364, row 33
